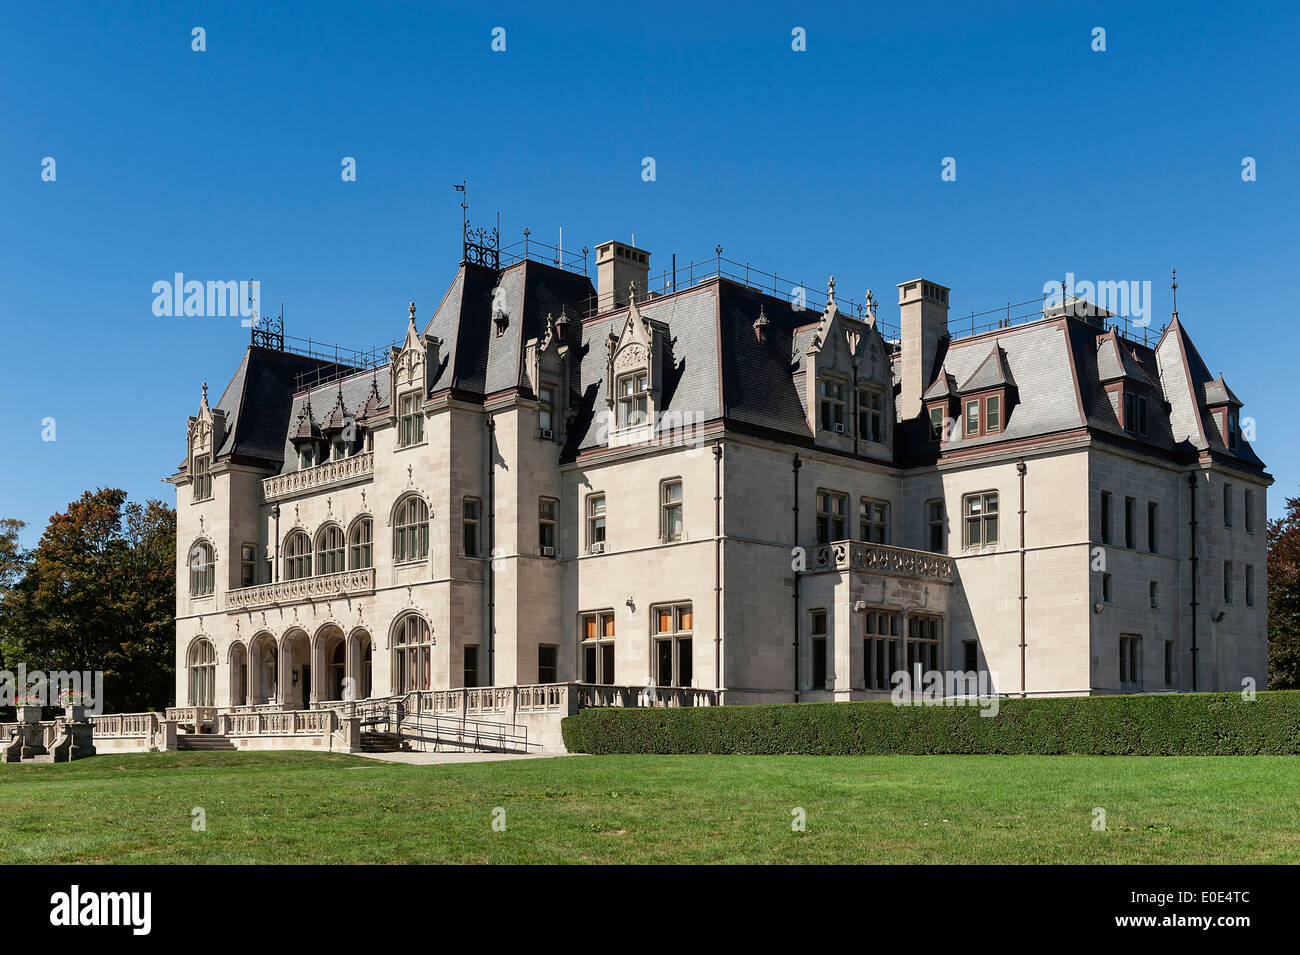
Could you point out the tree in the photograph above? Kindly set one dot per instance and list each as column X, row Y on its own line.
column 98, row 593
column 1284, row 598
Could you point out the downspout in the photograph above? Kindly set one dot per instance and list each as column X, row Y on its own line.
column 717, row 569
column 1191, row 485
column 1021, row 469
column 797, row 465
column 491, row 563
column 854, row 422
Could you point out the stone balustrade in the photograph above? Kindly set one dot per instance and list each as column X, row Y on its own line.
column 194, row 716
column 125, row 724
column 285, row 723
column 359, row 467
column 881, row 559
column 347, row 583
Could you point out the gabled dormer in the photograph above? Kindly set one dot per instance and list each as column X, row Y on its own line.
column 1132, row 391
column 306, row 436
column 634, row 376
column 941, row 406
column 1223, row 407
column 411, row 369
column 546, row 367
column 988, row 396
column 848, row 383
column 204, row 436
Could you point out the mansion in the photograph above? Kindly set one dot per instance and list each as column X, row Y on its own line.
column 705, row 482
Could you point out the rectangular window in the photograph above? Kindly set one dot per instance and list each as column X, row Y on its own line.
column 923, row 635
column 1130, row 663
column 970, row 656
column 1169, row 663
column 880, row 649
column 1135, row 414
column 993, row 413
column 973, row 416
column 471, row 666
column 1153, row 527
column 673, row 643
column 670, row 517
column 1153, row 595
column 1250, row 585
column 596, row 523
column 1249, row 508
column 1227, row 581
column 817, row 647
column 1129, row 505
column 1232, row 430
column 834, row 396
column 1227, row 505
column 873, row 521
column 871, row 415
column 597, row 638
column 1105, row 588
column 546, row 518
column 633, row 400
column 306, row 458
column 934, row 517
column 832, row 516
column 546, row 410
column 470, row 526
column 548, row 667
column 936, row 422
column 410, row 422
column 202, row 477
column 1105, row 517
column 981, row 517
column 247, row 565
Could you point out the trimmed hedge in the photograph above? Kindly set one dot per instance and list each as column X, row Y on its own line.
column 1184, row 724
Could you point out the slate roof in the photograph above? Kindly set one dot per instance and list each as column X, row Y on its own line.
column 356, row 390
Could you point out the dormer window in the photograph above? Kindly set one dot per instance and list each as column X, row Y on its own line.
column 633, row 399
column 1233, row 429
column 993, row 413
column 306, row 457
column 973, row 416
column 834, row 400
column 1135, row 413
column 202, row 477
column 938, row 415
column 871, row 415
column 546, row 410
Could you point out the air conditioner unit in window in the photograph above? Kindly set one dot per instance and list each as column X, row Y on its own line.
column 548, row 551
column 839, row 429
column 598, row 547
column 546, row 434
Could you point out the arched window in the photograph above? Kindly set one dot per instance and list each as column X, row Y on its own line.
column 203, row 673
column 411, row 530
column 413, row 654
column 359, row 544
column 297, row 556
column 329, row 550
column 203, row 569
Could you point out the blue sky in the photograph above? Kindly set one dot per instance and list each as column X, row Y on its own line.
column 225, row 164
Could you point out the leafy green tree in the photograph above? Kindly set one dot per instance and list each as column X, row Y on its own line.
column 98, row 592
column 1284, row 598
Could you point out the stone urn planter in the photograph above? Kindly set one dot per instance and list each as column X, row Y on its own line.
column 29, row 714
column 75, row 712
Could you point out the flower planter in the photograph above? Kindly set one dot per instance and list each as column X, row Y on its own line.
column 29, row 714
column 75, row 712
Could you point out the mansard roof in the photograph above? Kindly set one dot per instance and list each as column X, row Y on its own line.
column 357, row 390
column 257, row 402
column 1117, row 359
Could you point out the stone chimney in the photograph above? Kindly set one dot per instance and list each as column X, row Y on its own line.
column 617, row 265
column 923, row 310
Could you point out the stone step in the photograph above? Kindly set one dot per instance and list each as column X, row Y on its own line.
column 205, row 742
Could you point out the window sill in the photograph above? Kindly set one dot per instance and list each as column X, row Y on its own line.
column 411, row 563
column 408, row 447
column 202, row 596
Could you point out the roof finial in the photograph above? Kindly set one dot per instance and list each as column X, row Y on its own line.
column 1173, row 284
column 205, row 392
column 871, row 305
column 412, row 313
column 830, row 291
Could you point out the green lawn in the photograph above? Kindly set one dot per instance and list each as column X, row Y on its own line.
column 301, row 807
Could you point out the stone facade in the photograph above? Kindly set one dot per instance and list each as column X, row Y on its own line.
column 705, row 486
